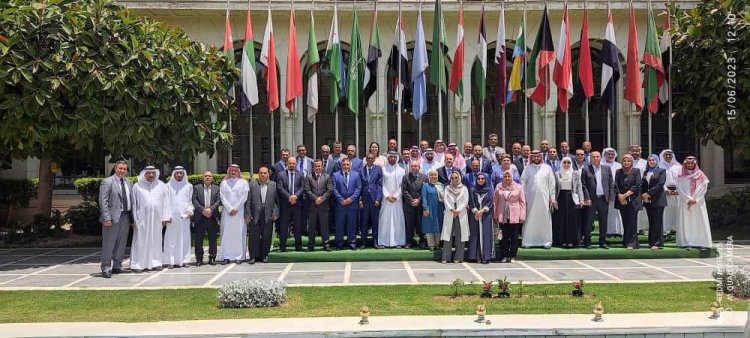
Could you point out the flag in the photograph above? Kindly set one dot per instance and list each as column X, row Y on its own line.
column 541, row 56
column 398, row 61
column 563, row 75
column 666, row 59
column 481, row 75
column 228, row 41
column 268, row 59
column 610, row 64
column 418, row 71
column 356, row 67
column 502, row 72
column 437, row 56
column 653, row 68
column 632, row 69
column 249, row 80
column 293, row 73
column 585, row 74
column 335, row 62
column 313, row 60
column 517, row 72
column 457, row 71
column 373, row 54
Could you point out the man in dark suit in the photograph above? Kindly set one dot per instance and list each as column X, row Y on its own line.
column 411, row 187
column 369, row 200
column 403, row 162
column 116, row 208
column 579, row 161
column 444, row 172
column 346, row 188
column 523, row 161
column 351, row 154
column 598, row 191
column 318, row 188
column 470, row 178
column 280, row 166
column 325, row 157
column 261, row 209
column 206, row 198
column 485, row 165
column 289, row 187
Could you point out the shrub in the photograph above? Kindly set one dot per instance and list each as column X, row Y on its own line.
column 17, row 193
column 84, row 219
column 731, row 209
column 252, row 293
column 735, row 281
column 46, row 226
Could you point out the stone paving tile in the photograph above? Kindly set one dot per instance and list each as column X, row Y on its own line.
column 377, row 265
column 121, row 280
column 4, row 278
column 51, row 260
column 307, row 266
column 204, row 268
column 260, row 267
column 380, row 277
column 32, row 251
column 178, row 280
column 512, row 275
column 231, row 277
column 552, row 264
column 21, row 268
column 668, row 263
column 420, row 265
column 76, row 251
column 574, row 274
column 639, row 274
column 610, row 263
column 314, row 277
column 81, row 269
column 42, row 281
column 694, row 273
column 439, row 276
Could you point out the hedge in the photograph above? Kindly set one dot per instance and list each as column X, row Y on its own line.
column 731, row 209
column 17, row 192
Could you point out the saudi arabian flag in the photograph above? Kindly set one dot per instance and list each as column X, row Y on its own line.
column 437, row 57
column 356, row 68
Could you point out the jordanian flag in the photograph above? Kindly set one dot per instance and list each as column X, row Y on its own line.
column 228, row 42
column 654, row 70
column 481, row 70
column 373, row 54
column 437, row 57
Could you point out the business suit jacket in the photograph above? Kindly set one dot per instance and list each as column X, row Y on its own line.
column 322, row 187
column 199, row 202
column 443, row 175
column 519, row 163
column 110, row 198
column 253, row 205
column 356, row 165
column 485, row 165
column 276, row 169
column 329, row 164
column 655, row 187
column 576, row 190
column 284, row 190
column 372, row 185
column 411, row 186
column 588, row 178
column 342, row 191
column 632, row 182
column 307, row 166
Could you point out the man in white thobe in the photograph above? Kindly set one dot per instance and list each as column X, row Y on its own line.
column 668, row 162
column 428, row 161
column 392, row 223
column 152, row 212
column 538, row 182
column 177, row 235
column 233, row 191
column 693, row 228
column 439, row 153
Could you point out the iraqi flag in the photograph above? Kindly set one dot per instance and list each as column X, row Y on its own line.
column 268, row 59
column 610, row 64
column 563, row 75
column 457, row 71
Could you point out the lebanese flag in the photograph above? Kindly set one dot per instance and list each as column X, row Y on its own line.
column 293, row 73
column 457, row 70
column 563, row 75
column 633, row 69
column 268, row 59
column 585, row 74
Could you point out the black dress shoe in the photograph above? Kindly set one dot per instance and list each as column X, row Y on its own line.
column 226, row 261
column 251, row 261
column 310, row 248
column 604, row 246
column 353, row 247
column 199, row 262
column 326, row 248
column 106, row 274
column 238, row 262
column 117, row 271
column 212, row 261
column 282, row 249
column 137, row 270
column 298, row 248
column 158, row 268
column 265, row 259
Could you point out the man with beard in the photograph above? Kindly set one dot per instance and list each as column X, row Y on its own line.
column 693, row 228
column 485, row 165
column 346, row 189
column 369, row 200
column 391, row 230
column 444, row 172
column 439, row 153
column 280, row 166
column 598, row 191
column 233, row 194
column 515, row 150
column 587, row 150
column 206, row 198
column 538, row 182
column 525, row 159
column 318, row 188
column 428, row 161
column 412, row 194
column 152, row 212
column 177, row 235
column 492, row 148
column 262, row 209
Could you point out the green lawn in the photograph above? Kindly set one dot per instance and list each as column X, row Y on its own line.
column 189, row 304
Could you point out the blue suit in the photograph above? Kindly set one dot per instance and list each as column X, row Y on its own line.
column 356, row 165
column 470, row 179
column 288, row 212
column 372, row 190
column 485, row 165
column 346, row 215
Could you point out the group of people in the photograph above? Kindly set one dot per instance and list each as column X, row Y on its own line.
column 420, row 196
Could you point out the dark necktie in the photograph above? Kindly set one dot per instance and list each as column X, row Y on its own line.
column 124, row 196
column 448, row 171
column 346, row 180
column 291, row 182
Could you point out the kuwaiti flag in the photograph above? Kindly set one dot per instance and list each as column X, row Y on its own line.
column 610, row 64
column 249, row 81
column 313, row 61
column 666, row 59
column 653, row 68
column 502, row 72
column 268, row 59
column 373, row 54
column 517, row 72
column 418, row 71
column 632, row 68
column 457, row 71
column 481, row 75
column 585, row 74
column 541, row 56
column 293, row 72
column 563, row 75
column 336, row 62
column 398, row 61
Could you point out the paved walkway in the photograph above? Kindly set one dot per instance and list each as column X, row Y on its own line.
column 78, row 268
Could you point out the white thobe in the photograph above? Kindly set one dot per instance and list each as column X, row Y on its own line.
column 233, row 228
column 439, row 160
column 152, row 205
column 391, row 224
column 670, row 211
column 177, row 235
column 693, row 227
column 614, row 220
column 539, row 187
column 426, row 166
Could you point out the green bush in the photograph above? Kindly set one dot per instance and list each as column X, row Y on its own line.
column 84, row 219
column 17, row 192
column 731, row 209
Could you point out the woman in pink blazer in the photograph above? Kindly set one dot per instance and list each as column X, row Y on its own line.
column 510, row 213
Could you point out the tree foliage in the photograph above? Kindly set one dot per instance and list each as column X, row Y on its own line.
column 84, row 75
column 711, row 54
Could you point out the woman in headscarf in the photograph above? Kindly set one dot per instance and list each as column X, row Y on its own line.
column 693, row 228
column 455, row 221
column 566, row 222
column 510, row 213
column 480, row 221
column 614, row 220
column 375, row 150
column 654, row 200
column 668, row 162
column 432, row 209
column 628, row 192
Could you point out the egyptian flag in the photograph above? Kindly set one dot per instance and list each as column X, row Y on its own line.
column 610, row 65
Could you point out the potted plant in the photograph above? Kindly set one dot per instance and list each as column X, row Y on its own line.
column 486, row 289
column 503, row 288
column 578, row 288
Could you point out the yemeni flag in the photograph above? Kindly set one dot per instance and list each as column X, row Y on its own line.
column 632, row 69
column 666, row 59
column 293, row 72
column 481, row 70
column 313, row 61
column 419, row 71
column 398, row 62
column 517, row 72
column 563, row 75
column 268, row 59
column 457, row 71
column 437, row 56
column 249, row 81
column 373, row 54
column 541, row 56
column 610, row 64
column 356, row 67
column 585, row 74
column 336, row 62
column 502, row 72
column 653, row 68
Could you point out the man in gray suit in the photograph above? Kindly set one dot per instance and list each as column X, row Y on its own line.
column 206, row 201
column 411, row 187
column 318, row 188
column 598, row 191
column 261, row 210
column 116, row 208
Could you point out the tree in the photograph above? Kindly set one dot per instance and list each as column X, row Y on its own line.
column 711, row 54
column 75, row 75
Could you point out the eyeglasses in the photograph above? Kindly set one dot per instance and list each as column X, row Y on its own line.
column 580, row 154
column 480, row 178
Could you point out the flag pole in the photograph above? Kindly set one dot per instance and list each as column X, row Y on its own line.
column 377, row 98
column 650, row 149
column 273, row 127
column 547, row 89
column 669, row 82
column 336, row 110
column 525, row 99
column 614, row 103
column 356, row 64
column 439, row 89
column 586, row 98
column 502, row 95
column 231, row 93
column 315, row 117
column 252, row 132
column 480, row 89
column 419, row 121
column 401, row 94
column 567, row 110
